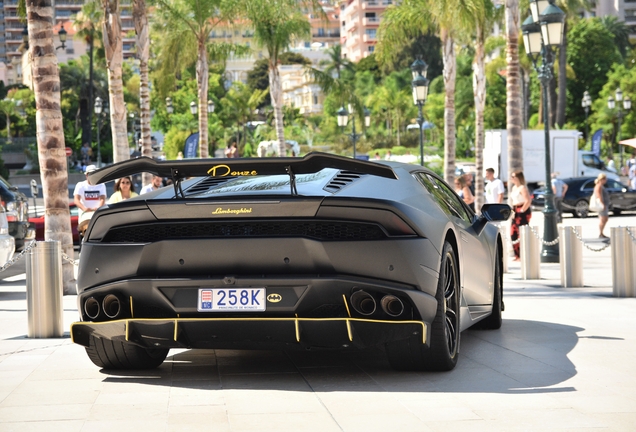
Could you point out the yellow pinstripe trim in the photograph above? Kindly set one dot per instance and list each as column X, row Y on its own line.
column 296, row 320
column 132, row 313
column 346, row 305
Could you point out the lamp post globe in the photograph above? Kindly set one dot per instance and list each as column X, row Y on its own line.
column 169, row 106
column 193, row 108
column 210, row 106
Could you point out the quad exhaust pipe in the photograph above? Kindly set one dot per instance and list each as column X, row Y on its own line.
column 92, row 308
column 363, row 303
column 112, row 306
column 392, row 306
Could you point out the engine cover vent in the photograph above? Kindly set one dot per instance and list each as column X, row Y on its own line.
column 206, row 184
column 342, row 180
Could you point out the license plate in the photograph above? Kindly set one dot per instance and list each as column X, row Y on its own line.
column 231, row 299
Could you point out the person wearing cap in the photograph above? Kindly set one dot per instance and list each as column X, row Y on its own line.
column 559, row 188
column 88, row 198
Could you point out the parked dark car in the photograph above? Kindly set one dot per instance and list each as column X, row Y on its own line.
column 304, row 253
column 17, row 209
column 580, row 189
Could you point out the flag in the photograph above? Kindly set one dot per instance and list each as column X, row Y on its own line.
column 596, row 142
column 191, row 144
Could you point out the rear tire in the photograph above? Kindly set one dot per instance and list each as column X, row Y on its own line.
column 411, row 354
column 493, row 321
column 109, row 354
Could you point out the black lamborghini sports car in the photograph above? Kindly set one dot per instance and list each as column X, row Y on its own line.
column 319, row 252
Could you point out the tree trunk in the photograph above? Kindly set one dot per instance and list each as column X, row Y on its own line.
column 563, row 78
column 450, row 73
column 113, row 48
column 479, row 93
column 202, row 86
column 50, row 133
column 276, row 93
column 143, row 54
column 513, row 87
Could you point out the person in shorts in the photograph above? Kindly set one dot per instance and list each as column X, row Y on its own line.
column 88, row 198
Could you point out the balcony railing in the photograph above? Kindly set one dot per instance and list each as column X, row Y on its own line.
column 370, row 21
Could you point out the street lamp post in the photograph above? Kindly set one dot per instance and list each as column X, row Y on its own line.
column 543, row 31
column 627, row 105
column 420, row 91
column 169, row 106
column 62, row 35
column 98, row 110
column 343, row 119
column 586, row 103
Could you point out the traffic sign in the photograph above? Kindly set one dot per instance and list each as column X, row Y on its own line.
column 69, row 151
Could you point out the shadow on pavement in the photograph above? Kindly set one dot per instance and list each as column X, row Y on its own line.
column 521, row 357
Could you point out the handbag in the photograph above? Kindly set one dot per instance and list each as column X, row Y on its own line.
column 595, row 204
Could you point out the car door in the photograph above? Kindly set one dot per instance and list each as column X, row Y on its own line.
column 621, row 197
column 473, row 254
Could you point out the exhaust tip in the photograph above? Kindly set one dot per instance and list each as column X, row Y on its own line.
column 111, row 305
column 91, row 308
column 392, row 305
column 363, row 303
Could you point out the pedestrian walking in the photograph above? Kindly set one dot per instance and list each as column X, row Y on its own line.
column 494, row 188
column 601, row 194
column 521, row 203
column 155, row 184
column 463, row 190
column 559, row 188
column 124, row 189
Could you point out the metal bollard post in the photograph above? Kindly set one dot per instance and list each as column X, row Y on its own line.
column 529, row 249
column 623, row 256
column 571, row 252
column 44, row 290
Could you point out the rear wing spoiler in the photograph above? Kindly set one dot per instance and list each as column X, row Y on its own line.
column 178, row 170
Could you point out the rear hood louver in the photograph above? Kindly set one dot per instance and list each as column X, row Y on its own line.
column 342, row 180
column 206, row 184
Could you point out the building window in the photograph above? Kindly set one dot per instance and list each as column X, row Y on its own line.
column 315, row 99
column 371, row 48
column 370, row 32
column 321, row 31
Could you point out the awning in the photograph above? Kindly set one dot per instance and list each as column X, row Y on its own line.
column 629, row 142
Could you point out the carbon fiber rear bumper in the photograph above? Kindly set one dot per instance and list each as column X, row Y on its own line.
column 250, row 333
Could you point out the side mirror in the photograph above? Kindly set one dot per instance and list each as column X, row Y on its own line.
column 491, row 213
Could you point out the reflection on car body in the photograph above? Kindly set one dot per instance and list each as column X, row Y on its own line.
column 319, row 252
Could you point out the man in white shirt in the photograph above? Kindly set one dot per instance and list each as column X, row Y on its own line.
column 88, row 198
column 494, row 188
column 155, row 184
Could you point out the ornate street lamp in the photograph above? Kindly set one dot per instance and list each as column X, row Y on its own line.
column 420, row 92
column 543, row 32
column 193, row 108
column 62, row 35
column 627, row 105
column 169, row 106
column 586, row 103
column 210, row 106
column 343, row 118
column 98, row 110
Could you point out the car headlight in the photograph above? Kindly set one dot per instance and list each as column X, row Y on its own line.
column 10, row 206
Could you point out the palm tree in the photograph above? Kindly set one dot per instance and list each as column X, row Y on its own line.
column 113, row 48
column 485, row 14
column 414, row 18
column 185, row 38
column 8, row 108
column 140, row 19
column 86, row 26
column 240, row 102
column 394, row 97
column 277, row 24
column 513, row 87
column 50, row 137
